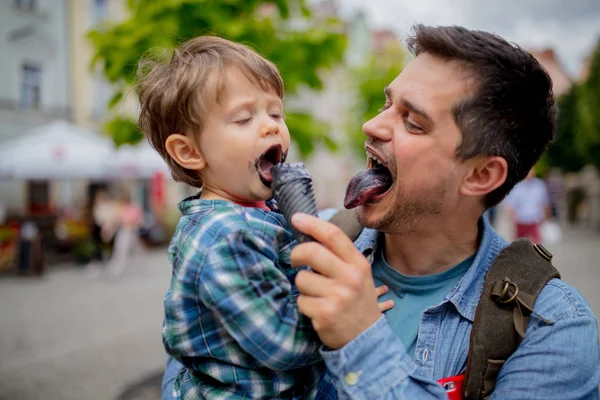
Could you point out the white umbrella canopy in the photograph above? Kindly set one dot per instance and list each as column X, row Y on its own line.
column 137, row 161
column 58, row 150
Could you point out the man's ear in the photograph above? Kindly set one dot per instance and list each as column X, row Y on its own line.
column 486, row 174
column 183, row 150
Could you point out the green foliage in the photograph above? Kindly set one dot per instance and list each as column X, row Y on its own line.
column 588, row 140
column 299, row 53
column 124, row 130
column 577, row 140
column 563, row 152
column 306, row 131
column 370, row 80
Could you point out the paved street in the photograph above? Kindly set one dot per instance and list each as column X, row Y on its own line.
column 69, row 337
column 578, row 260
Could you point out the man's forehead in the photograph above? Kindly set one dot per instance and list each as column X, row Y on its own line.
column 432, row 82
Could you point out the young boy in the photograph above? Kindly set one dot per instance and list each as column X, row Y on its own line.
column 215, row 114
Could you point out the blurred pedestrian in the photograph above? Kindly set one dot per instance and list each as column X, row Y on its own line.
column 528, row 205
column 554, row 184
column 103, row 214
column 30, row 257
column 127, row 240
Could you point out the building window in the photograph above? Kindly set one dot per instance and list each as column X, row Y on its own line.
column 100, row 10
column 30, row 86
column 28, row 5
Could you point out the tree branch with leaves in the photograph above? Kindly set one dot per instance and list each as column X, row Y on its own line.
column 283, row 31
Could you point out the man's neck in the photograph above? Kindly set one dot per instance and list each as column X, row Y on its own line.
column 433, row 250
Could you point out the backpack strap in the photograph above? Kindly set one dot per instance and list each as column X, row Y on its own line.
column 511, row 287
column 348, row 222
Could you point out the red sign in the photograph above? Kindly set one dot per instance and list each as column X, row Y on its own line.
column 59, row 153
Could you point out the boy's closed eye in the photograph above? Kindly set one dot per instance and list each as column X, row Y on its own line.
column 243, row 121
column 242, row 118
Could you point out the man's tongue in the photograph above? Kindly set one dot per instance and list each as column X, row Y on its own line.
column 365, row 185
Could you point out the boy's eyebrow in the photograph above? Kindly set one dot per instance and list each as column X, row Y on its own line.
column 241, row 105
column 249, row 102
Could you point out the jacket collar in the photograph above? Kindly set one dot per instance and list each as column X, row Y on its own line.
column 465, row 295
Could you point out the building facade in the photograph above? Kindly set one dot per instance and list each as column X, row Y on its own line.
column 34, row 72
column 34, row 85
column 89, row 91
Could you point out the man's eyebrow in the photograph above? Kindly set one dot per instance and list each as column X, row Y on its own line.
column 416, row 110
column 409, row 105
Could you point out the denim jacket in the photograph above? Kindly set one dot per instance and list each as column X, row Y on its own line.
column 559, row 361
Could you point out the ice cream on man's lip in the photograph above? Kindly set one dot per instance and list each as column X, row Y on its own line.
column 293, row 190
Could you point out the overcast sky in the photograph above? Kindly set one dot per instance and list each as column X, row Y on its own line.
column 571, row 27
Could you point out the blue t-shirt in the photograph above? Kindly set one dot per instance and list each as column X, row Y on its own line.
column 413, row 295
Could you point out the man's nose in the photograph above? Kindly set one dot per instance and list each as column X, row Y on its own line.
column 378, row 127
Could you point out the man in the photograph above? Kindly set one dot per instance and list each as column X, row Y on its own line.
column 462, row 124
column 528, row 205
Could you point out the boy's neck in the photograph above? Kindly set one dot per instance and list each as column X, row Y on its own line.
column 254, row 204
column 212, row 195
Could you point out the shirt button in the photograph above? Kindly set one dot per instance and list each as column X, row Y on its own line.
column 351, row 379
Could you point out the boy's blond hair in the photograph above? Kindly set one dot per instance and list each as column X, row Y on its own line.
column 175, row 97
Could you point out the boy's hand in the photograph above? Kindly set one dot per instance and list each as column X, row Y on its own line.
column 384, row 305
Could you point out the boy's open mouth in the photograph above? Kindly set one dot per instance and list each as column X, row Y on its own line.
column 369, row 186
column 273, row 156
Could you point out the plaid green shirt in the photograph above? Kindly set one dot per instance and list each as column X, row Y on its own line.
column 230, row 315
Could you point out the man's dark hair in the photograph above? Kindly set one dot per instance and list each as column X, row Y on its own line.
column 511, row 114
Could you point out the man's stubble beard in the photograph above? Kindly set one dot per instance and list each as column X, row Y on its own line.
column 408, row 215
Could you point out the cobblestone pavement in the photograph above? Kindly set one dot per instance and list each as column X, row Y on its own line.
column 70, row 337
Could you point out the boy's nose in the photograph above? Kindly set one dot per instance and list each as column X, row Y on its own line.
column 269, row 129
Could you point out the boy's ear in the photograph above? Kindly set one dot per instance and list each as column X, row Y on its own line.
column 485, row 175
column 183, row 150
